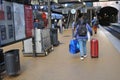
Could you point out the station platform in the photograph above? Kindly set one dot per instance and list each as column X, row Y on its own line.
column 61, row 65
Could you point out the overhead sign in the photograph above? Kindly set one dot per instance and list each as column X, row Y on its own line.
column 83, row 10
column 89, row 4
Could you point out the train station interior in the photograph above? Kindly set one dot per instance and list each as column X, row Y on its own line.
column 33, row 48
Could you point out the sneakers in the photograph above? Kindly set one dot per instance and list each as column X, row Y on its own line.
column 85, row 56
column 81, row 58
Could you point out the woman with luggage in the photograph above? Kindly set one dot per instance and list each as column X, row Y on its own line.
column 95, row 24
column 82, row 39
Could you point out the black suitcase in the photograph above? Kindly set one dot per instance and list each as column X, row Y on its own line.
column 54, row 37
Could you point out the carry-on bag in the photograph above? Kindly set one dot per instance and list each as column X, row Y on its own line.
column 54, row 37
column 94, row 48
column 73, row 46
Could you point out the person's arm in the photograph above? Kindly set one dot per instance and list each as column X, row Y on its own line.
column 89, row 29
column 93, row 20
column 75, row 32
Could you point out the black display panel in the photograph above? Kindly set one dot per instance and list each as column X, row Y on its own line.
column 71, row 1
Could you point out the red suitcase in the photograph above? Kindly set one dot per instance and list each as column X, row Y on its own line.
column 94, row 48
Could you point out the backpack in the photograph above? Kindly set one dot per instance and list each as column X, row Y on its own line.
column 82, row 30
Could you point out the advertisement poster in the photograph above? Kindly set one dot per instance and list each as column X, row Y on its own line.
column 9, row 12
column 3, row 35
column 28, row 20
column 19, row 21
column 2, row 17
column 3, row 32
column 10, row 31
column 8, row 8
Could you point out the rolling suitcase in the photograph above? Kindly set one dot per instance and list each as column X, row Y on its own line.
column 54, row 37
column 94, row 48
column 73, row 46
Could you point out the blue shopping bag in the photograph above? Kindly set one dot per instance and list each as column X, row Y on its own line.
column 74, row 46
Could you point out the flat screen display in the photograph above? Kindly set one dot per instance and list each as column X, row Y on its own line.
column 68, row 1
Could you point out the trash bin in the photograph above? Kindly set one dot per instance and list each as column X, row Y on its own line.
column 2, row 63
column 12, row 62
column 54, row 36
column 1, row 56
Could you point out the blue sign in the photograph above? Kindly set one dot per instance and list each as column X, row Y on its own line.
column 36, row 7
column 89, row 4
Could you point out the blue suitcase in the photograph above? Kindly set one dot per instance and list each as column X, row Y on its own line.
column 73, row 46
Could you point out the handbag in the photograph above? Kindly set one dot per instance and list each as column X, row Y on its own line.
column 74, row 46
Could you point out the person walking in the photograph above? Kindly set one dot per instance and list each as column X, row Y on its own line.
column 82, row 38
column 95, row 24
column 60, row 26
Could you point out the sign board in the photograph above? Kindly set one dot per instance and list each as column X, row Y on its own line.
column 6, row 24
column 15, row 24
column 2, row 16
column 83, row 10
column 28, row 20
column 3, row 34
column 89, row 4
column 19, row 21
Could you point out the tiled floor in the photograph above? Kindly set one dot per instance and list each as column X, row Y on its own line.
column 61, row 65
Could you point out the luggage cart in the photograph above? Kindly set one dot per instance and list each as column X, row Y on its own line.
column 40, row 45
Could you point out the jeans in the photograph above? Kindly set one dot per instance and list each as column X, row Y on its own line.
column 83, row 48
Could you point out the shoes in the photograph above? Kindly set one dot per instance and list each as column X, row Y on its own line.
column 85, row 56
column 82, row 58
